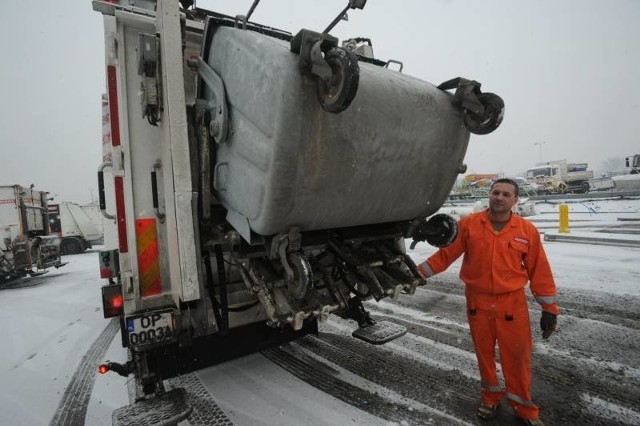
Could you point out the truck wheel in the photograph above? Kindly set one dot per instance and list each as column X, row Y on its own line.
column 585, row 187
column 490, row 119
column 70, row 246
column 345, row 76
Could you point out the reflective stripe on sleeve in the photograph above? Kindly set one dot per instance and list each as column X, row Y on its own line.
column 425, row 269
column 546, row 300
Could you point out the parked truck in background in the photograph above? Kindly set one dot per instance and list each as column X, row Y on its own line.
column 560, row 177
column 79, row 226
column 26, row 248
column 627, row 180
column 633, row 162
column 261, row 184
column 631, row 180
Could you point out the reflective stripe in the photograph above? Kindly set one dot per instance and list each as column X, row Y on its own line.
column 425, row 270
column 519, row 400
column 491, row 388
column 148, row 258
column 546, row 300
column 114, row 119
column 121, row 220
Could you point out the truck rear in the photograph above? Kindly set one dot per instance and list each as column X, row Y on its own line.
column 263, row 181
column 78, row 226
column 26, row 248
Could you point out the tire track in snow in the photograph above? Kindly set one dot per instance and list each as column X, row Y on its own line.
column 72, row 408
column 356, row 391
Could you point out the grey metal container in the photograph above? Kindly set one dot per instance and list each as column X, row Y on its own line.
column 392, row 155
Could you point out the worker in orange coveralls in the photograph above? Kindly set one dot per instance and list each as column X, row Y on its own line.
column 502, row 252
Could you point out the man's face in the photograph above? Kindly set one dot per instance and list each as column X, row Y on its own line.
column 502, row 198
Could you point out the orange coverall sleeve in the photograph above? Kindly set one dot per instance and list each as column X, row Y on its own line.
column 444, row 257
column 541, row 280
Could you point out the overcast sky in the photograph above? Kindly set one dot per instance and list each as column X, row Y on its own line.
column 568, row 72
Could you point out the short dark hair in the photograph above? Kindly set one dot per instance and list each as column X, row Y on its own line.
column 510, row 182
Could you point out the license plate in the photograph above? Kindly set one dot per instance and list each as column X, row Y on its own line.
column 152, row 328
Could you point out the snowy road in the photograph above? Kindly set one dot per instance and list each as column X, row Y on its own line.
column 587, row 373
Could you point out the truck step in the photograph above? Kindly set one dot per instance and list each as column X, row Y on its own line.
column 380, row 332
column 166, row 409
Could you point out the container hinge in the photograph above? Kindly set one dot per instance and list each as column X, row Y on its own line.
column 219, row 124
column 466, row 93
column 310, row 47
column 336, row 68
column 483, row 112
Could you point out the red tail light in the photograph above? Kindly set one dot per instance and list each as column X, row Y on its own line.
column 103, row 368
column 112, row 302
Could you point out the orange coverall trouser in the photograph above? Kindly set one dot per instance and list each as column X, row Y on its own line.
column 503, row 319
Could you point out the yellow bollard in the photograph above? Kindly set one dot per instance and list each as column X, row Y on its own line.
column 563, row 227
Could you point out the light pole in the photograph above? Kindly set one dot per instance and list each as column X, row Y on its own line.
column 540, row 145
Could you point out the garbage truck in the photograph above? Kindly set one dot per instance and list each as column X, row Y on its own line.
column 263, row 181
column 26, row 248
column 78, row 225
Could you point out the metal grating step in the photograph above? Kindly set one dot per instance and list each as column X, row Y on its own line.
column 380, row 332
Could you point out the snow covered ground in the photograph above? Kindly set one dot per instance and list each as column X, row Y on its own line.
column 52, row 321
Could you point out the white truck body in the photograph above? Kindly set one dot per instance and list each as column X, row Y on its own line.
column 79, row 226
column 630, row 181
column 627, row 180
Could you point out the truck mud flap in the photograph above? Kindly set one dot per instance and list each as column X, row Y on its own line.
column 166, row 409
column 380, row 332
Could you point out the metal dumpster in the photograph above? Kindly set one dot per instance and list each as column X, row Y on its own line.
column 392, row 155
